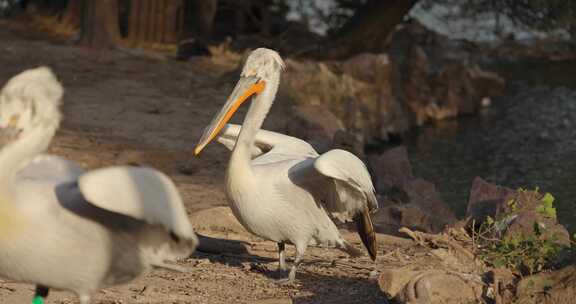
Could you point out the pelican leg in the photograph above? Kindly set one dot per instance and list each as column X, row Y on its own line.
column 292, row 275
column 40, row 295
column 282, row 256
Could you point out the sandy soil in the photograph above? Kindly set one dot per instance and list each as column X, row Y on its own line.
column 121, row 108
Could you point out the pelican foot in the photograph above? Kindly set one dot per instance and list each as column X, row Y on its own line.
column 284, row 281
column 289, row 279
column 279, row 274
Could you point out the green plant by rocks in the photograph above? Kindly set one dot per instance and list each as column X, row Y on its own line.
column 526, row 253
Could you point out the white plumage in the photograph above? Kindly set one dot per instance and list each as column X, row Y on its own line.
column 64, row 228
column 136, row 192
column 278, row 186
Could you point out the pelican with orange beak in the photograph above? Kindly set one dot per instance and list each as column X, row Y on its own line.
column 278, row 186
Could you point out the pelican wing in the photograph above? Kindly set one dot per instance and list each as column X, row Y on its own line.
column 230, row 141
column 349, row 188
column 139, row 192
column 268, row 142
column 341, row 183
column 50, row 167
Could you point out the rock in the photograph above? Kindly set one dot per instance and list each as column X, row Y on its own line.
column 487, row 82
column 389, row 219
column 218, row 220
column 557, row 287
column 526, row 211
column 519, row 209
column 408, row 285
column 503, row 282
column 392, row 281
column 356, row 91
column 348, row 141
column 405, row 200
column 436, row 286
column 434, row 78
column 391, row 168
column 424, row 77
column 314, row 124
column 485, row 198
column 425, row 195
column 373, row 105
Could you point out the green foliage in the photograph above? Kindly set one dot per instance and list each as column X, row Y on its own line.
column 525, row 253
column 546, row 207
column 528, row 253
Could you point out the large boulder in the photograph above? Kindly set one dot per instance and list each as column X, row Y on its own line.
column 406, row 200
column 423, row 77
column 315, row 124
column 557, row 287
column 416, row 286
column 437, row 78
column 391, row 217
column 486, row 199
column 391, row 168
column 356, row 91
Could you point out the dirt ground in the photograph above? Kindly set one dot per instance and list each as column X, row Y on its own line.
column 121, row 108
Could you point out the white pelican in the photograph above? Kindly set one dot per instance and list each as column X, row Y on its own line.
column 61, row 227
column 278, row 186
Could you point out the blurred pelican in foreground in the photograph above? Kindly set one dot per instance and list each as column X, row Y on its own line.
column 61, row 227
column 278, row 186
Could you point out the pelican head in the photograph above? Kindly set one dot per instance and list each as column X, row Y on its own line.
column 29, row 100
column 261, row 70
column 263, row 64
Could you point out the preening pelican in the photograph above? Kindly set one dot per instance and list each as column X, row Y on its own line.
column 61, row 227
column 278, row 186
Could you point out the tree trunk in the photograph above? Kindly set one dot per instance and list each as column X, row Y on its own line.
column 199, row 19
column 99, row 26
column 71, row 17
column 134, row 23
column 172, row 20
column 265, row 18
column 148, row 20
column 367, row 30
column 160, row 22
column 44, row 7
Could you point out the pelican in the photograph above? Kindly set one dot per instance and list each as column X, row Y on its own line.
column 278, row 187
column 64, row 228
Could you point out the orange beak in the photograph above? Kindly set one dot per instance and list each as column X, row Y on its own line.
column 245, row 88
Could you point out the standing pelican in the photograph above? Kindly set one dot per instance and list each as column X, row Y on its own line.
column 61, row 227
column 278, row 187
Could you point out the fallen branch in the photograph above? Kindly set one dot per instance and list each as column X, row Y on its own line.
column 438, row 240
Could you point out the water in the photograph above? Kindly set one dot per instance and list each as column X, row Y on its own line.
column 527, row 139
column 444, row 18
column 449, row 20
